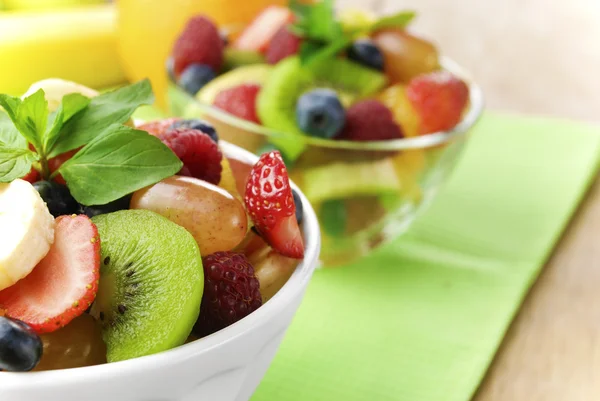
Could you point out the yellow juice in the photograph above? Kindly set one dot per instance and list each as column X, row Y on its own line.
column 147, row 30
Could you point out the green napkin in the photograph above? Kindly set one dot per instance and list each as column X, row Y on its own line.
column 421, row 319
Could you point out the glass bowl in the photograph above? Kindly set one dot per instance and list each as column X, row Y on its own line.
column 364, row 193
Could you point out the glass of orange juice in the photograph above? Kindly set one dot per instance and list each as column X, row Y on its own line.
column 148, row 28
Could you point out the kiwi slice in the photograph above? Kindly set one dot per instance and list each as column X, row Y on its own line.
column 345, row 180
column 257, row 73
column 151, row 283
column 289, row 80
column 276, row 104
column 235, row 58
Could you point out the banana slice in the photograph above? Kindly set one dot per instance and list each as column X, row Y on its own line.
column 26, row 231
column 56, row 88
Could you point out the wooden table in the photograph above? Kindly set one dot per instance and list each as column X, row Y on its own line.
column 536, row 56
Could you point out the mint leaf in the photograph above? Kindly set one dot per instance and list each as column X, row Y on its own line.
column 9, row 134
column 322, row 23
column 32, row 118
column 103, row 111
column 120, row 161
column 14, row 162
column 316, row 22
column 71, row 104
column 311, row 52
column 11, row 105
column 399, row 21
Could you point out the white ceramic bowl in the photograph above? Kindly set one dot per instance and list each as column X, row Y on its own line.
column 225, row 366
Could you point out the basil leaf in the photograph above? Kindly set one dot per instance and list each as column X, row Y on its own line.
column 11, row 105
column 103, row 111
column 14, row 163
column 311, row 52
column 70, row 105
column 9, row 134
column 119, row 162
column 400, row 21
column 32, row 118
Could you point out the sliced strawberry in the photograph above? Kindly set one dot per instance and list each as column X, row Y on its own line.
column 240, row 101
column 64, row 284
column 55, row 163
column 32, row 176
column 258, row 35
column 270, row 203
column 439, row 98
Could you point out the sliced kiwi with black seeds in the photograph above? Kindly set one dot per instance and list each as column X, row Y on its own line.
column 289, row 79
column 151, row 283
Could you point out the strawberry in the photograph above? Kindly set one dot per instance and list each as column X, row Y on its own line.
column 258, row 35
column 155, row 128
column 55, row 163
column 200, row 155
column 64, row 284
column 32, row 176
column 231, row 292
column 239, row 101
column 284, row 44
column 270, row 203
column 439, row 98
column 369, row 120
column 199, row 43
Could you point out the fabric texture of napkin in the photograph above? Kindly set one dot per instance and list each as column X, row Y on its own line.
column 421, row 318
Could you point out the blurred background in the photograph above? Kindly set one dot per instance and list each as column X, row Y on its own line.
column 530, row 56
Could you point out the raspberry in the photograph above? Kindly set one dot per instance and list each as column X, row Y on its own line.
column 283, row 44
column 439, row 98
column 370, row 120
column 200, row 43
column 201, row 157
column 231, row 291
column 239, row 101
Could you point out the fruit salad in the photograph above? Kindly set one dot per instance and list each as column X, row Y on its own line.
column 120, row 242
column 361, row 109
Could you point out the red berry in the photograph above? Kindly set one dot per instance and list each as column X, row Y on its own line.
column 283, row 44
column 239, row 101
column 258, row 34
column 55, row 163
column 155, row 128
column 200, row 43
column 200, row 155
column 439, row 98
column 64, row 284
column 231, row 291
column 32, row 176
column 270, row 203
column 370, row 120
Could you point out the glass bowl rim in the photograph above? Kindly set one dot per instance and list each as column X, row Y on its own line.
column 469, row 118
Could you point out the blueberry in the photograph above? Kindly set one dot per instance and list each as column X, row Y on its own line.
column 194, row 77
column 170, row 65
column 320, row 113
column 364, row 52
column 20, row 348
column 57, row 198
column 299, row 209
column 114, row 206
column 200, row 125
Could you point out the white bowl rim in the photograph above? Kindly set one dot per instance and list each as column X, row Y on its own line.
column 271, row 309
